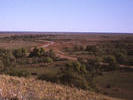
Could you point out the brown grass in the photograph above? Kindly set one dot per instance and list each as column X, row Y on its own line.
column 38, row 90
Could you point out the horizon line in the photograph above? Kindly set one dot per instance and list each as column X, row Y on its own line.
column 64, row 32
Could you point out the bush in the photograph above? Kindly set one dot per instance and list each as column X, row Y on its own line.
column 18, row 53
column 74, row 79
column 47, row 60
column 74, row 74
column 42, row 52
column 51, row 54
column 121, row 58
column 111, row 61
column 35, row 52
column 76, row 67
column 8, row 61
column 91, row 48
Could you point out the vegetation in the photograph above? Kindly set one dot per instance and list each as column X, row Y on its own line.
column 92, row 60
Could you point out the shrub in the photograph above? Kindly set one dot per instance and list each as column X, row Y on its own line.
column 18, row 53
column 74, row 79
column 8, row 61
column 93, row 66
column 121, row 58
column 47, row 60
column 91, row 48
column 76, row 67
column 74, row 74
column 111, row 61
column 35, row 52
column 42, row 51
column 82, row 60
column 51, row 54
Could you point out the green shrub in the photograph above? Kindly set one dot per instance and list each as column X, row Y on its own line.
column 47, row 60
column 121, row 58
column 111, row 61
column 18, row 53
column 51, row 54
column 91, row 48
column 74, row 79
column 76, row 67
column 35, row 52
column 74, row 74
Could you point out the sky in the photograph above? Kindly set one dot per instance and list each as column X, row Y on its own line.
column 67, row 15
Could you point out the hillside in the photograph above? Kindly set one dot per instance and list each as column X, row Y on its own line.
column 32, row 89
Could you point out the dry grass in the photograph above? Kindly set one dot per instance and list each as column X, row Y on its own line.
column 31, row 89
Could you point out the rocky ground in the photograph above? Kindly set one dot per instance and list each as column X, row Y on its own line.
column 14, row 88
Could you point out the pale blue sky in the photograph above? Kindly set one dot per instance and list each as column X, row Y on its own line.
column 67, row 15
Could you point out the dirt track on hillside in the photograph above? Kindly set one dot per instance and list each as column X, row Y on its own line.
column 59, row 53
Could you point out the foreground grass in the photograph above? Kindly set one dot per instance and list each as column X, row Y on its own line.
column 32, row 89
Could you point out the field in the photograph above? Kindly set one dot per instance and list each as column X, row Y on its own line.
column 96, row 62
column 116, row 84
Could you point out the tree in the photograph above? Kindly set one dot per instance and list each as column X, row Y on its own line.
column 91, row 48
column 24, row 51
column 51, row 54
column 18, row 53
column 76, row 67
column 48, row 60
column 35, row 52
column 121, row 58
column 93, row 67
column 111, row 61
column 42, row 51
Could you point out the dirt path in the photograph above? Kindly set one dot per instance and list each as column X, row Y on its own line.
column 57, row 51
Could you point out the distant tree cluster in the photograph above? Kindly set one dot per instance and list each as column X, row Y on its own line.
column 11, row 58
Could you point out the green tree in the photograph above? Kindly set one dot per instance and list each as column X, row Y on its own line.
column 42, row 51
column 111, row 61
column 48, row 60
column 121, row 58
column 93, row 67
column 51, row 54
column 76, row 67
column 91, row 48
column 35, row 52
column 18, row 53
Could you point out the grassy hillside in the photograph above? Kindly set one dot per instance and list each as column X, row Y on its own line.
column 31, row 89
